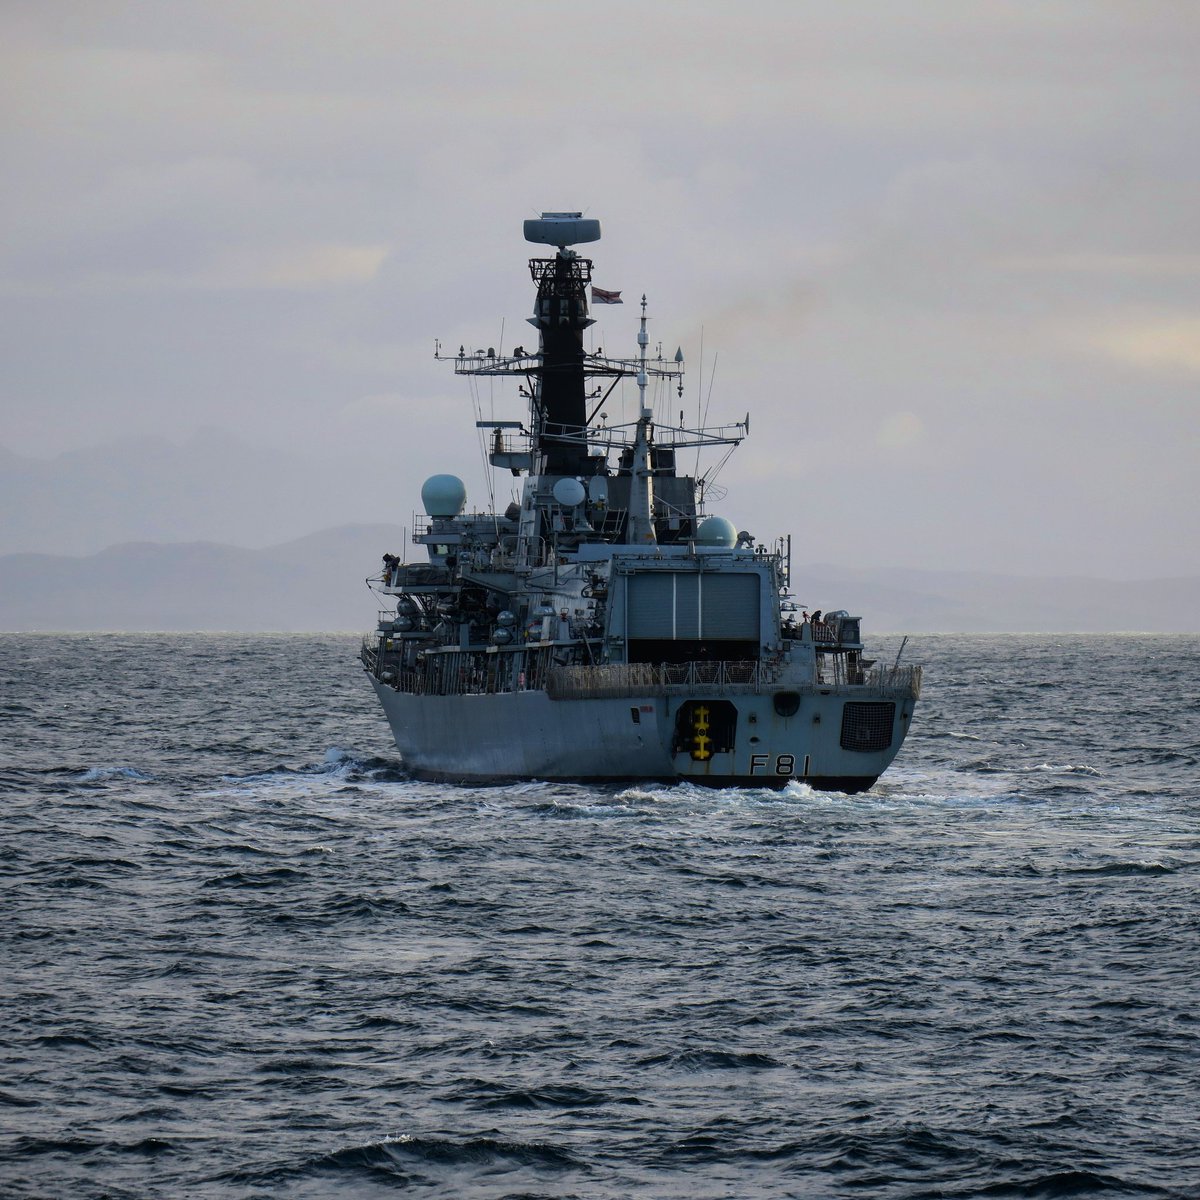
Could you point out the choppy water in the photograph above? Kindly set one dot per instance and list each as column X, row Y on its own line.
column 243, row 955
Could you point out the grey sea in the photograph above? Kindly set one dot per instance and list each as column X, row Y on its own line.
column 245, row 955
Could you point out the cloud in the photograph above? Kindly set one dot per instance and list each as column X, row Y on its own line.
column 388, row 406
column 1169, row 344
column 236, row 269
column 302, row 266
column 899, row 430
column 910, row 232
column 1152, row 266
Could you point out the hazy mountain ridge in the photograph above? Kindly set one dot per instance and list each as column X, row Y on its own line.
column 312, row 583
column 316, row 582
column 985, row 602
column 153, row 489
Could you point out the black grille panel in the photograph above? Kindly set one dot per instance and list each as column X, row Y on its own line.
column 867, row 726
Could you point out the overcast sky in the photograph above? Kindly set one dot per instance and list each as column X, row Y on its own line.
column 946, row 253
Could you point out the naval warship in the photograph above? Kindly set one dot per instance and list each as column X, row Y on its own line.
column 606, row 627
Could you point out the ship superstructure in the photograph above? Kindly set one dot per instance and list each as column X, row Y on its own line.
column 605, row 628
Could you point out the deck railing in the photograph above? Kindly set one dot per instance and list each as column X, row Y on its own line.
column 460, row 673
column 624, row 679
column 894, row 679
column 615, row 681
column 531, row 669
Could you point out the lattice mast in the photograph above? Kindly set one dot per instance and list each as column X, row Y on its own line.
column 560, row 316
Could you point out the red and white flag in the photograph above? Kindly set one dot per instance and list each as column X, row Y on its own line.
column 600, row 296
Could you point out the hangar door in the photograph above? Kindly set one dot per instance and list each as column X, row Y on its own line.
column 676, row 616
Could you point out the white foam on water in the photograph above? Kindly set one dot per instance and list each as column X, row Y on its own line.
column 98, row 774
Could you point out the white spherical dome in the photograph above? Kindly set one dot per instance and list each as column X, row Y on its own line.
column 443, row 495
column 716, row 531
column 569, row 492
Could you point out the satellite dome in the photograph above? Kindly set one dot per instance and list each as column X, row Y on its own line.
column 443, row 495
column 716, row 531
column 569, row 492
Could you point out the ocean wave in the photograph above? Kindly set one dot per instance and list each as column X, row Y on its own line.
column 1123, row 868
column 396, row 1156
column 700, row 798
column 605, row 991
column 987, row 766
column 712, row 1060
column 148, row 1147
column 337, row 764
column 597, row 809
column 549, row 1096
column 1056, row 1185
column 106, row 773
column 642, row 795
column 348, row 904
column 270, row 877
column 1061, row 769
column 58, row 1041
column 346, row 764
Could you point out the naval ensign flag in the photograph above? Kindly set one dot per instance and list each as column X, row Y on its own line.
column 600, row 296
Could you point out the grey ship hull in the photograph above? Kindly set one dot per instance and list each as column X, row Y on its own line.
column 529, row 735
column 606, row 628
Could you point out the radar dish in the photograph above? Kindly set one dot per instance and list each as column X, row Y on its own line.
column 562, row 229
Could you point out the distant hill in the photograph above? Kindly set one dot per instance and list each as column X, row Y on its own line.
column 979, row 602
column 316, row 583
column 156, row 490
column 312, row 583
